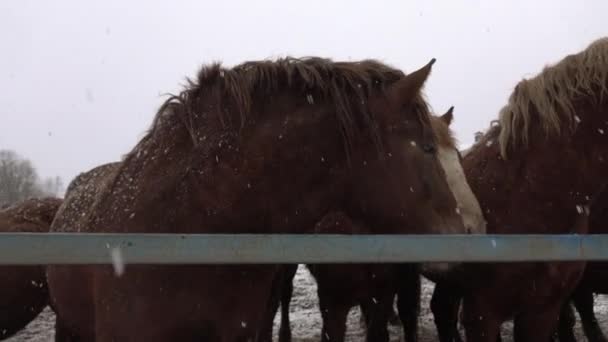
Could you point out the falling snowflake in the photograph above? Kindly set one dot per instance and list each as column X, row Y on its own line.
column 117, row 261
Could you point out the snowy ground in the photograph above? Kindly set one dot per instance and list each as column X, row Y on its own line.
column 306, row 320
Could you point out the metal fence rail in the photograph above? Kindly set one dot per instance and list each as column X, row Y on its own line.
column 63, row 248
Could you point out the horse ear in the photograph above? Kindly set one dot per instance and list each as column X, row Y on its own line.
column 448, row 116
column 408, row 87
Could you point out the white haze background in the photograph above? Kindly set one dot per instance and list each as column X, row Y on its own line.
column 81, row 80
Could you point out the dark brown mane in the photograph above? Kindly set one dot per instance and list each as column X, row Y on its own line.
column 345, row 85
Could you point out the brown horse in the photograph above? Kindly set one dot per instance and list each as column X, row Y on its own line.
column 79, row 197
column 23, row 289
column 534, row 172
column 373, row 286
column 264, row 147
column 594, row 280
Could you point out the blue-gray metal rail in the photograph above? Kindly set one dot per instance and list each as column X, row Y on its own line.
column 64, row 248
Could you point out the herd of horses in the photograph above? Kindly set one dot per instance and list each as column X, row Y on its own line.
column 316, row 146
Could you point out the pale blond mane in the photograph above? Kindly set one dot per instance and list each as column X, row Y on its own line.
column 548, row 97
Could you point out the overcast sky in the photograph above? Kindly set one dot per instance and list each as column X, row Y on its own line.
column 81, row 80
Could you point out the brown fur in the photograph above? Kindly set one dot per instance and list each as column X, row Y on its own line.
column 247, row 150
column 594, row 280
column 79, row 197
column 23, row 289
column 540, row 189
column 371, row 286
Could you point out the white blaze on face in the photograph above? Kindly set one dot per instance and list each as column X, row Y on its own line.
column 468, row 206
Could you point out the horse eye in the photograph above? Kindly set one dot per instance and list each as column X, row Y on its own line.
column 428, row 148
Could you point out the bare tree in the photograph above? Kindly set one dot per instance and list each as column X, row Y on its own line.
column 19, row 180
column 52, row 186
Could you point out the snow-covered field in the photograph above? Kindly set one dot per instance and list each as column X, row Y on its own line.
column 306, row 320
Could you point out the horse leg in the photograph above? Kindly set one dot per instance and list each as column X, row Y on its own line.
column 583, row 301
column 285, row 329
column 481, row 324
column 393, row 318
column 64, row 334
column 538, row 326
column 565, row 327
column 280, row 285
column 445, row 303
column 408, row 303
column 334, row 319
column 282, row 289
column 379, row 311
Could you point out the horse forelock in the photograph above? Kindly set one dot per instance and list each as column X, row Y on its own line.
column 548, row 98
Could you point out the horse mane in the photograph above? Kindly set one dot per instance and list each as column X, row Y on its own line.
column 345, row 85
column 549, row 96
column 225, row 98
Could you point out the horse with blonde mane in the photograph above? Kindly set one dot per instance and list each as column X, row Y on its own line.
column 263, row 147
column 594, row 280
column 535, row 172
column 23, row 289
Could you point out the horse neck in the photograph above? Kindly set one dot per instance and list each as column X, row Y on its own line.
column 542, row 188
column 276, row 180
column 264, row 180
